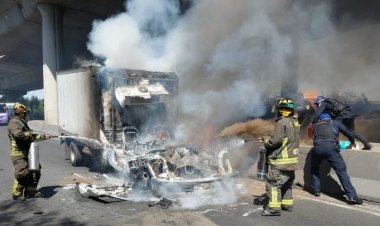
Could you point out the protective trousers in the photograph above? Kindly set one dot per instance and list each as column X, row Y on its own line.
column 279, row 188
column 329, row 151
column 349, row 123
column 25, row 182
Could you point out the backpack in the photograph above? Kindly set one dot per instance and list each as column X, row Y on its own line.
column 339, row 108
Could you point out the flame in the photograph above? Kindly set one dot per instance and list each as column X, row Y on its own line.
column 311, row 94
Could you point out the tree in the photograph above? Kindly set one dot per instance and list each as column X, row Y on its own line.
column 35, row 105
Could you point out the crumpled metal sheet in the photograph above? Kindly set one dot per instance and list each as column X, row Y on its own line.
column 143, row 90
column 113, row 191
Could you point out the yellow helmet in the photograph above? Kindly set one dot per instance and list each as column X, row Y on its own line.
column 19, row 108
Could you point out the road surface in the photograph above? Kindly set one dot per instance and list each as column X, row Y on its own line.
column 63, row 205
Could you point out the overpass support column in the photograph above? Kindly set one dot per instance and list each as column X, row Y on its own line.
column 51, row 50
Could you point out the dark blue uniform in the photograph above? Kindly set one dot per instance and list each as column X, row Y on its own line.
column 347, row 120
column 326, row 146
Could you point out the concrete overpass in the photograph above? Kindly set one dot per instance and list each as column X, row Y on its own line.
column 40, row 37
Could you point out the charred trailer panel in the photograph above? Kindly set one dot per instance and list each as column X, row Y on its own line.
column 78, row 113
column 78, row 102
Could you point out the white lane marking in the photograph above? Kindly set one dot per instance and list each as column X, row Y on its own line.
column 248, row 213
column 237, row 204
column 339, row 205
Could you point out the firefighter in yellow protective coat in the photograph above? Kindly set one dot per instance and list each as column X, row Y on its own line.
column 20, row 137
column 282, row 155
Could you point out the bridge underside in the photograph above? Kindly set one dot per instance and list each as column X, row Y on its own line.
column 21, row 55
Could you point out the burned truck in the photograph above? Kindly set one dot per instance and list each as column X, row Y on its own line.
column 99, row 107
column 125, row 119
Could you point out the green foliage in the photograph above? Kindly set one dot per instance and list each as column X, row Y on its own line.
column 35, row 105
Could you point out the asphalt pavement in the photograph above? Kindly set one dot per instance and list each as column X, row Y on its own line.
column 63, row 205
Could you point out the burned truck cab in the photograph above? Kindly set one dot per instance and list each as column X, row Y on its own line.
column 141, row 107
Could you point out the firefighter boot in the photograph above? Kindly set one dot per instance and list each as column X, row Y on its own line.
column 270, row 212
column 355, row 201
column 17, row 191
column 31, row 189
column 31, row 192
column 36, row 194
column 262, row 200
column 287, row 208
column 367, row 146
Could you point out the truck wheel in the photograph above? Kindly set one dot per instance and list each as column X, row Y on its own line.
column 75, row 155
column 67, row 151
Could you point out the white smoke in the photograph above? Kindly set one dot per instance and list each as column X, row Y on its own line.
column 223, row 194
column 226, row 54
column 229, row 55
column 135, row 39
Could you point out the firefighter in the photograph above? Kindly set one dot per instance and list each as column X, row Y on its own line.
column 282, row 152
column 20, row 137
column 346, row 117
column 326, row 146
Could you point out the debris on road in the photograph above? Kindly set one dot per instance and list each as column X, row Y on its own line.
column 163, row 203
column 38, row 212
column 112, row 191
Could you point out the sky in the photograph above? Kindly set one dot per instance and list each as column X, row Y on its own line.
column 38, row 93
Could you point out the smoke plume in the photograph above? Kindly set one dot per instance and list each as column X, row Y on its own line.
column 231, row 55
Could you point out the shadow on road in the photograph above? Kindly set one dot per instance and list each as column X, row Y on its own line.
column 29, row 213
column 49, row 191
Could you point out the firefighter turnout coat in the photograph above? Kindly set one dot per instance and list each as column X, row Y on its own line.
column 282, row 147
column 20, row 137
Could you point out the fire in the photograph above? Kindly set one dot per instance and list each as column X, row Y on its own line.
column 311, row 94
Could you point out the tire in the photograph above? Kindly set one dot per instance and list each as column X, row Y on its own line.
column 75, row 155
column 67, row 150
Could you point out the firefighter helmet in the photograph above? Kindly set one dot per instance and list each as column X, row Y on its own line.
column 285, row 103
column 19, row 108
column 319, row 99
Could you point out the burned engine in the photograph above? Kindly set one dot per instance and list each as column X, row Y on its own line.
column 174, row 169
